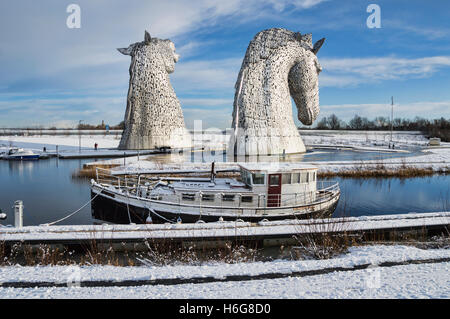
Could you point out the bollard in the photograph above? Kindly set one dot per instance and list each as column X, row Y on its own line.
column 18, row 213
column 2, row 215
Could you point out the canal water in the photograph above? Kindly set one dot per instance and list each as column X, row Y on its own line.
column 49, row 192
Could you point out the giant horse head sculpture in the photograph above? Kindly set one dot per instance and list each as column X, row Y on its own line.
column 153, row 117
column 278, row 64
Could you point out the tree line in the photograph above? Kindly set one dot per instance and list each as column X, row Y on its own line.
column 432, row 128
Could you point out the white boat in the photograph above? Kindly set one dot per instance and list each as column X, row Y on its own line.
column 264, row 191
column 16, row 153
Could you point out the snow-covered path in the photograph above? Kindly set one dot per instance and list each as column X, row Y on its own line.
column 408, row 281
column 423, row 280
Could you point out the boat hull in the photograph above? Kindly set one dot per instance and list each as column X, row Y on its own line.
column 116, row 210
column 22, row 158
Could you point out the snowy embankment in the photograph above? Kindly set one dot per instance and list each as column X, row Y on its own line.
column 240, row 230
column 63, row 142
column 389, row 272
column 436, row 159
column 363, row 138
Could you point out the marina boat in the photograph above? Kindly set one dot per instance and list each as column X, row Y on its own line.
column 20, row 154
column 263, row 191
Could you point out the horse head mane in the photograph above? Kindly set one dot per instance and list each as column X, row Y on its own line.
column 267, row 41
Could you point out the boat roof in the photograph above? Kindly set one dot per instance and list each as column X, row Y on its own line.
column 219, row 184
column 276, row 167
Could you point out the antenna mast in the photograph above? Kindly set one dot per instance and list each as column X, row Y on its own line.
column 392, row 114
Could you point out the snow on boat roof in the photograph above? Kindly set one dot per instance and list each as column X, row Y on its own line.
column 272, row 167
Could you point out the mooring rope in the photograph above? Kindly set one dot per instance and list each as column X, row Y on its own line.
column 151, row 210
column 71, row 214
column 128, row 207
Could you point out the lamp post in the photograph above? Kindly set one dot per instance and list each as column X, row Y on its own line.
column 79, row 136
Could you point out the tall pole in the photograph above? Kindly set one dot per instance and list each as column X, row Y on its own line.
column 392, row 114
column 79, row 136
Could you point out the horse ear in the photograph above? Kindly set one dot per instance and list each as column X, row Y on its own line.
column 125, row 51
column 318, row 45
column 147, row 37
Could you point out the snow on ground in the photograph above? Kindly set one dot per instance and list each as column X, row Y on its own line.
column 407, row 281
column 363, row 138
column 50, row 141
column 310, row 137
column 437, row 159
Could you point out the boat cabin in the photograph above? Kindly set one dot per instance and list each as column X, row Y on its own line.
column 280, row 181
column 260, row 185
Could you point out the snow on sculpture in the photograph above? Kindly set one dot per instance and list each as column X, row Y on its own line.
column 279, row 64
column 153, row 117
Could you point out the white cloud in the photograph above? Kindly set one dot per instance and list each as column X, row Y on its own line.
column 206, row 75
column 206, row 102
column 51, row 111
column 427, row 32
column 353, row 71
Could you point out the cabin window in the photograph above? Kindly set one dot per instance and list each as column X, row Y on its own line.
column 295, row 178
column 258, row 179
column 247, row 199
column 246, row 177
column 228, row 198
column 311, row 177
column 188, row 196
column 286, row 178
column 274, row 180
column 208, row 197
column 303, row 177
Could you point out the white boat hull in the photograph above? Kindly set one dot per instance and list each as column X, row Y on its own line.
column 113, row 206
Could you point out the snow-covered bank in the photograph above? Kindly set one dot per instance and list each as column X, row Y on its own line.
column 310, row 137
column 436, row 159
column 230, row 230
column 63, row 141
column 364, row 138
column 429, row 280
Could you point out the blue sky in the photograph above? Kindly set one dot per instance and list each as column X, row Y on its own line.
column 55, row 76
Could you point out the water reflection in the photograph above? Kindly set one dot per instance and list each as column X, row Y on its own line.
column 377, row 196
column 20, row 168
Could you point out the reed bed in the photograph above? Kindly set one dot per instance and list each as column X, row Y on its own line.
column 381, row 170
column 143, row 253
column 88, row 172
